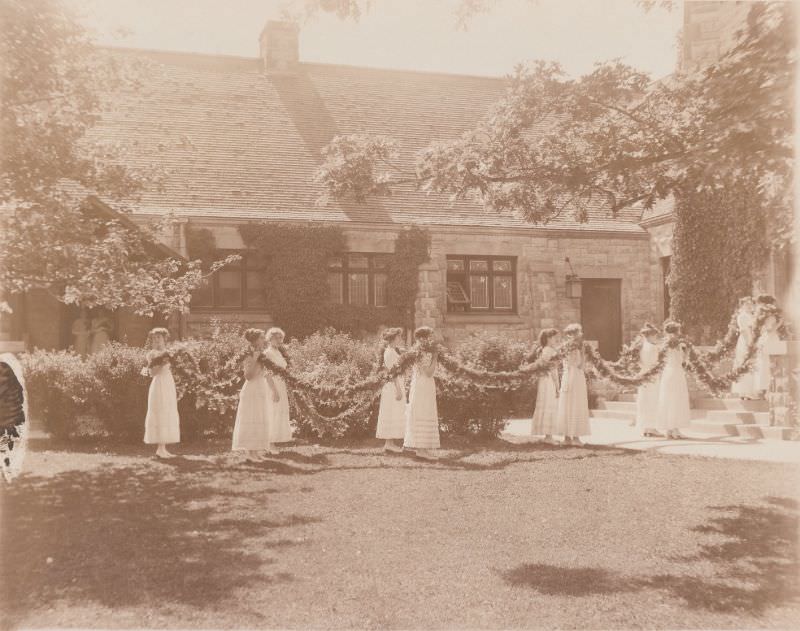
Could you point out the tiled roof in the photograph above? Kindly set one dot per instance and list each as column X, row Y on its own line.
column 236, row 142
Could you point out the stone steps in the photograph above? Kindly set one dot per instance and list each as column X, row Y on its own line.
column 718, row 417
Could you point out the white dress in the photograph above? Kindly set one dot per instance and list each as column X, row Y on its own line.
column 544, row 416
column 391, row 413
column 673, row 393
column 647, row 393
column 162, row 423
column 422, row 415
column 573, row 400
column 745, row 385
column 251, row 430
column 279, row 428
column 769, row 336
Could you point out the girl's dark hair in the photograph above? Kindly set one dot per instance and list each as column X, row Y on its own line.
column 671, row 327
column 648, row 329
column 159, row 330
column 251, row 335
column 573, row 329
column 423, row 333
column 546, row 334
column 389, row 334
column 765, row 299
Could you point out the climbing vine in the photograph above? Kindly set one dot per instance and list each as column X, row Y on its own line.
column 294, row 259
column 200, row 244
column 720, row 243
column 411, row 249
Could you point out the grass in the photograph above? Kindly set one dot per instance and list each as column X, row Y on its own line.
column 506, row 536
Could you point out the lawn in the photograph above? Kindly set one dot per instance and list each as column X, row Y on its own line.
column 506, row 536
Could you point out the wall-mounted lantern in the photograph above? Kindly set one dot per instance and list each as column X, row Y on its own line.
column 573, row 282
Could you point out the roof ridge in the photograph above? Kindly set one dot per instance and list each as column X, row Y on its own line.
column 193, row 53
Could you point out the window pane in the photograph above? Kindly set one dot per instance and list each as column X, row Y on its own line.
column 479, row 266
column 380, row 290
column 335, row 262
column 255, row 290
column 501, row 266
column 502, row 292
column 335, row 287
column 204, row 296
column 455, row 265
column 230, row 288
column 479, row 292
column 357, row 261
column 358, row 289
column 379, row 262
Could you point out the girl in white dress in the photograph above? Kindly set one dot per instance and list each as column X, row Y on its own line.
column 544, row 415
column 647, row 393
column 392, row 410
column 280, row 428
column 422, row 415
column 251, row 430
column 769, row 336
column 745, row 319
column 673, row 391
column 162, row 424
column 572, row 417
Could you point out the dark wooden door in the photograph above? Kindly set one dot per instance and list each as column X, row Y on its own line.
column 601, row 314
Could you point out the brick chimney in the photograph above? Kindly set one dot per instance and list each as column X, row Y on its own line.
column 280, row 46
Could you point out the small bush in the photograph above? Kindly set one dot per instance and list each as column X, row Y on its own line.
column 121, row 399
column 208, row 406
column 61, row 388
column 333, row 358
column 467, row 409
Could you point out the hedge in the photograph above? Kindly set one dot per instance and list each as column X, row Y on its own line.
column 64, row 388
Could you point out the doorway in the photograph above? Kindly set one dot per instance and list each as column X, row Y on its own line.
column 601, row 314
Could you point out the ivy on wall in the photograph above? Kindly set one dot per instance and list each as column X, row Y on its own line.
column 294, row 259
column 719, row 246
column 412, row 248
column 200, row 244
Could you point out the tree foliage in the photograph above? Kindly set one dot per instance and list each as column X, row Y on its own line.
column 54, row 82
column 613, row 137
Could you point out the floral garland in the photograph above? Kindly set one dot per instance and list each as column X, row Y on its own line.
column 726, row 344
column 629, row 358
column 359, row 408
column 604, row 369
column 719, row 384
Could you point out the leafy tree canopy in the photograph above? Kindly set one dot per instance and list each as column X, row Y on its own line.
column 555, row 144
column 52, row 80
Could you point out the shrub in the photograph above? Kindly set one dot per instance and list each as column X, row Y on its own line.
column 208, row 406
column 61, row 388
column 121, row 399
column 468, row 409
column 329, row 357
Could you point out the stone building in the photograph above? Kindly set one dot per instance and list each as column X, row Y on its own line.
column 240, row 139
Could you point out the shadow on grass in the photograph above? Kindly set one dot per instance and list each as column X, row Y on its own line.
column 756, row 567
column 126, row 536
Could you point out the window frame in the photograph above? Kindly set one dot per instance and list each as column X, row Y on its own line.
column 247, row 264
column 370, row 270
column 490, row 274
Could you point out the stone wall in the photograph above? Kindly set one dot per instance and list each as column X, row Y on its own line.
column 541, row 280
column 541, row 276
